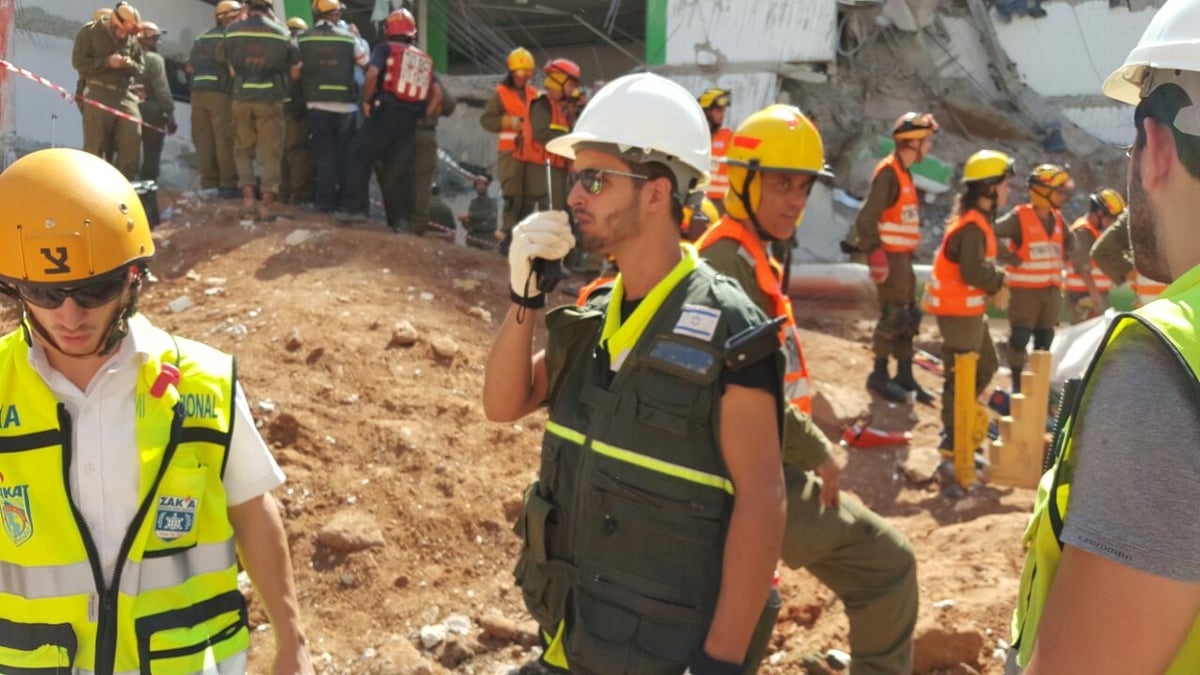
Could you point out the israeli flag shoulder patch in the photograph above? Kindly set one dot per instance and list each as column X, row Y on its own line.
column 698, row 321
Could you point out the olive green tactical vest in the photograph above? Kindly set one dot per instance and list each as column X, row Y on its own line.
column 328, row 56
column 625, row 527
column 208, row 74
column 257, row 49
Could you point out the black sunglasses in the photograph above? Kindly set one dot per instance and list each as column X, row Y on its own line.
column 88, row 296
column 592, row 180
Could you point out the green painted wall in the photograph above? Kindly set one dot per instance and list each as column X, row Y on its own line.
column 656, row 32
column 436, row 39
column 300, row 8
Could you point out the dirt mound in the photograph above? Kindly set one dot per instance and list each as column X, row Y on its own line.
column 401, row 497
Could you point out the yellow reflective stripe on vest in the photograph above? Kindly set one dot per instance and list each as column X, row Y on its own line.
column 236, row 664
column 643, row 461
column 270, row 35
column 326, row 38
column 333, row 87
column 258, row 85
column 618, row 336
column 205, row 78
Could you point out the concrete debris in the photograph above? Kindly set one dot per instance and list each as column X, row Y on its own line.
column 351, row 530
column 454, row 653
column 404, row 334
column 458, row 624
column 266, row 406
column 466, row 284
column 293, row 342
column 480, row 313
column 432, row 636
column 444, row 347
column 298, row 237
column 180, row 304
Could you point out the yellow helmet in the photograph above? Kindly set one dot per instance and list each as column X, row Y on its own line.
column 520, row 59
column 987, row 166
column 1045, row 179
column 913, row 126
column 715, row 98
column 778, row 138
column 1108, row 201
column 320, row 7
column 102, row 14
column 69, row 216
column 227, row 7
column 296, row 23
column 126, row 16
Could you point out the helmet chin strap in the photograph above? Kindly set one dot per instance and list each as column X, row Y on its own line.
column 744, row 195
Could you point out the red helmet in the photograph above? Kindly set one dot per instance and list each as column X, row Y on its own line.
column 400, row 23
column 565, row 66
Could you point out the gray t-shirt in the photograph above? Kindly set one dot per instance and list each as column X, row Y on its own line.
column 1137, row 456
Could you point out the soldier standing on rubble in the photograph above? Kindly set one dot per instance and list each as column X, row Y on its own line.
column 159, row 108
column 518, row 163
column 110, row 60
column 1086, row 285
column 1035, row 237
column 212, row 113
column 888, row 229
column 965, row 276
column 651, row 434
column 776, row 157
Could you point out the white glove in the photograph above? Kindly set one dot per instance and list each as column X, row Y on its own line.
column 547, row 235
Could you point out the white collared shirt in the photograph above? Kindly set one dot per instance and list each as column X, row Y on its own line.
column 104, row 469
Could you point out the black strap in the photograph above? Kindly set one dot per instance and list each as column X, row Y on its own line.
column 26, row 442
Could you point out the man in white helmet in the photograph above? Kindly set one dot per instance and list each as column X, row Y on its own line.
column 1112, row 579
column 653, row 530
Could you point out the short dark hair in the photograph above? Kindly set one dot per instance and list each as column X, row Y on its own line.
column 654, row 171
column 1162, row 105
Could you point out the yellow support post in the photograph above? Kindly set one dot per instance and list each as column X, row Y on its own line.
column 970, row 419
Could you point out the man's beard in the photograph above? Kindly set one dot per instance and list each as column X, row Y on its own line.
column 1147, row 254
column 618, row 227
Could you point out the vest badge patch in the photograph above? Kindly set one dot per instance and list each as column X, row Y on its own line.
column 698, row 321
column 175, row 518
column 15, row 513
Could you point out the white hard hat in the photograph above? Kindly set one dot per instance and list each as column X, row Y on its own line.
column 649, row 119
column 1170, row 42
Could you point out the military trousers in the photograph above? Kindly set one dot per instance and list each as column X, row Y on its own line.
column 899, row 319
column 523, row 185
column 258, row 134
column 866, row 562
column 103, row 130
column 1032, row 313
column 961, row 335
column 296, row 170
column 425, row 164
column 152, row 147
column 212, row 134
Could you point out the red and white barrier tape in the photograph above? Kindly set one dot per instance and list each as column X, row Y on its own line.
column 490, row 243
column 70, row 95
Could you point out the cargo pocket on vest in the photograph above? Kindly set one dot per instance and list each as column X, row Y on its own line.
column 176, row 509
column 37, row 647
column 177, row 641
column 631, row 633
column 543, row 581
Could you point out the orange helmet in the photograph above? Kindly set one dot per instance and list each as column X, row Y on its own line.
column 400, row 23
column 520, row 59
column 565, row 66
column 1107, row 201
column 913, row 126
column 127, row 17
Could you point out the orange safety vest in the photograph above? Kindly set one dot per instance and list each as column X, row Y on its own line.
column 1041, row 256
column 1074, row 282
column 514, row 106
column 591, row 286
column 900, row 223
column 947, row 294
column 1147, row 289
column 769, row 273
column 558, row 122
column 718, row 173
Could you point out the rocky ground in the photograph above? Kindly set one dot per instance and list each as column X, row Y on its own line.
column 362, row 354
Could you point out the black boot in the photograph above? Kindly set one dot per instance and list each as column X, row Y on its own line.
column 881, row 384
column 905, row 379
column 1016, row 379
